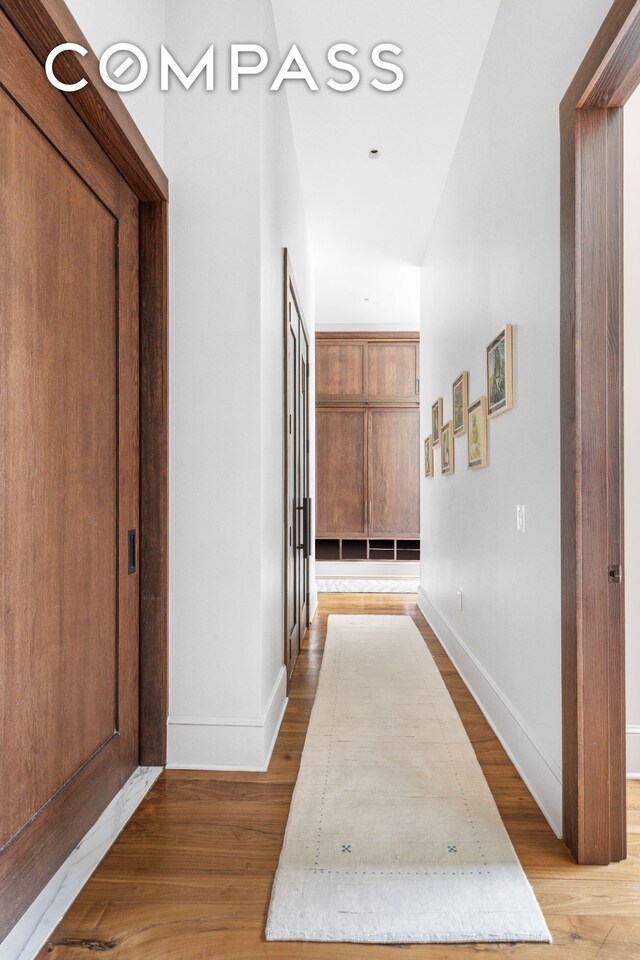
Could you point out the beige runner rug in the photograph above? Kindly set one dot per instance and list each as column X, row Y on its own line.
column 393, row 835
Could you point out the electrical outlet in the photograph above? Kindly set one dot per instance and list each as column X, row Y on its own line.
column 460, row 598
column 521, row 520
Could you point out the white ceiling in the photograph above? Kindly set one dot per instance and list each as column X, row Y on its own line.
column 369, row 220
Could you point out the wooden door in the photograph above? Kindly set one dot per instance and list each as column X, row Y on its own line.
column 69, row 494
column 393, row 371
column 292, row 434
column 297, row 503
column 341, row 477
column 394, row 472
column 302, row 491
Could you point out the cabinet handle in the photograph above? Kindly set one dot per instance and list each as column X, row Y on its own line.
column 370, row 515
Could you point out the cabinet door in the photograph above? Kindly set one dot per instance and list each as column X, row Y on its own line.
column 392, row 370
column 394, row 473
column 341, row 445
column 340, row 370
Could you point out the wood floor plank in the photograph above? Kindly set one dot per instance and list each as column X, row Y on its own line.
column 190, row 878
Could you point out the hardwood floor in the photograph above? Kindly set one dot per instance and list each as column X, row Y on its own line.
column 190, row 877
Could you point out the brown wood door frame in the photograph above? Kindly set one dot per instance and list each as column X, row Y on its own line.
column 591, row 345
column 289, row 289
column 43, row 24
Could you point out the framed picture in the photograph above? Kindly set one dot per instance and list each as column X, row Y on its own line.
column 460, row 404
column 436, row 422
column 428, row 458
column 500, row 372
column 477, row 440
column 447, row 450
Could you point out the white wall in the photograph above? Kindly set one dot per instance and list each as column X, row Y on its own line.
column 283, row 224
column 631, row 449
column 235, row 203
column 494, row 258
column 134, row 21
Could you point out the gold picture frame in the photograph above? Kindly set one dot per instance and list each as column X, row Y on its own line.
column 436, row 421
column 499, row 365
column 478, row 435
column 428, row 458
column 447, row 450
column 460, row 397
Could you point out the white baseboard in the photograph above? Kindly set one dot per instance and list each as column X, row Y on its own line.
column 542, row 776
column 228, row 743
column 633, row 751
column 313, row 604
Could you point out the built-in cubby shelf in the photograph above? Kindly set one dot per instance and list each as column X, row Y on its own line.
column 381, row 550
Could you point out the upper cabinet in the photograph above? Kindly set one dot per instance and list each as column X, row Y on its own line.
column 392, row 370
column 341, row 370
column 367, row 369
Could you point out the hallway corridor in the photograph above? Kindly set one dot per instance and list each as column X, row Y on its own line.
column 190, row 877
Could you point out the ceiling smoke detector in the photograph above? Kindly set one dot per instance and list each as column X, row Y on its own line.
column 374, row 154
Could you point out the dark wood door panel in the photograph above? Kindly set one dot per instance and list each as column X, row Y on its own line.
column 302, row 560
column 58, row 548
column 341, row 484
column 293, row 413
column 296, row 471
column 22, row 76
column 392, row 371
column 340, row 371
column 394, row 473
column 69, row 447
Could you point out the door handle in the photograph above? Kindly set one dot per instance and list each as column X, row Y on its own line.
column 300, row 545
column 307, row 526
column 615, row 573
column 305, row 546
column 131, row 551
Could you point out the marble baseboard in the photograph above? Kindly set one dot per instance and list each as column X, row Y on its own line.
column 367, row 585
column 34, row 928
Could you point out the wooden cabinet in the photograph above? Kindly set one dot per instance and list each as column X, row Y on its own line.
column 358, row 370
column 341, row 369
column 341, row 484
column 393, row 371
column 367, row 447
column 394, row 472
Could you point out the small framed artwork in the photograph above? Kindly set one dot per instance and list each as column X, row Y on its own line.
column 428, row 458
column 477, row 439
column 436, row 422
column 447, row 450
column 460, row 404
column 500, row 373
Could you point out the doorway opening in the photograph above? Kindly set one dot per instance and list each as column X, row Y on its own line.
column 367, row 461
column 592, row 466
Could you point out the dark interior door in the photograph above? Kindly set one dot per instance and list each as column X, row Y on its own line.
column 298, row 506
column 293, row 414
column 69, row 493
column 302, row 496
